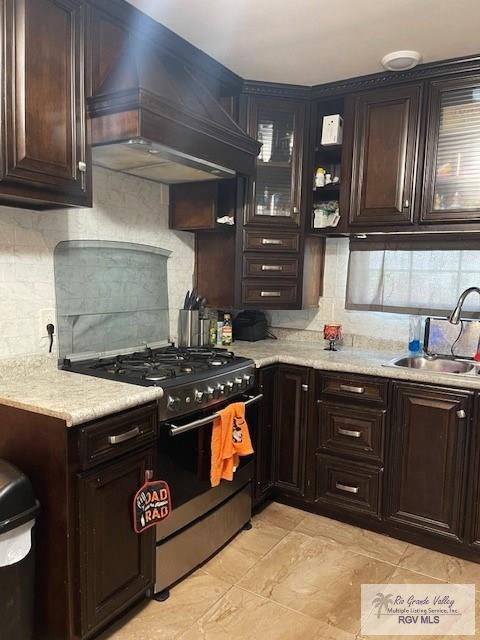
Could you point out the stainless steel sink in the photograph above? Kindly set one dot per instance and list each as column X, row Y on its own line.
column 433, row 363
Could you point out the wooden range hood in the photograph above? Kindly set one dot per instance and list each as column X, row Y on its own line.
column 154, row 119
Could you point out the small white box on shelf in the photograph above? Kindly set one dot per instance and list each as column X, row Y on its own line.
column 332, row 129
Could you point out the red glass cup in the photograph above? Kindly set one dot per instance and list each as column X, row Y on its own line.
column 332, row 332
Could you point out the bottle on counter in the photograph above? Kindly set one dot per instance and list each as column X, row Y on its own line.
column 227, row 330
column 415, row 334
column 219, row 331
column 213, row 332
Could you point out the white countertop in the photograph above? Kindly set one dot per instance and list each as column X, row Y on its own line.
column 35, row 384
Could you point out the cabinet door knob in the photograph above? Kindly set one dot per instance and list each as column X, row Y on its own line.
column 406, row 204
column 295, row 211
column 304, row 387
column 461, row 414
column 82, row 166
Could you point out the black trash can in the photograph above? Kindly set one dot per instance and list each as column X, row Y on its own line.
column 18, row 510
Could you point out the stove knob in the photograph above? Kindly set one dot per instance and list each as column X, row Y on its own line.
column 229, row 386
column 238, row 382
column 173, row 403
column 221, row 389
column 248, row 379
column 198, row 395
column 210, row 393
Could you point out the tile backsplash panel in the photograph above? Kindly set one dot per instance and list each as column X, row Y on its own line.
column 110, row 296
column 372, row 327
column 125, row 209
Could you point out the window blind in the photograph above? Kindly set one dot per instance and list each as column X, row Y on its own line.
column 457, row 181
column 412, row 276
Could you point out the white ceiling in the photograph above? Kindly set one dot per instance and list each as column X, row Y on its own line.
column 311, row 42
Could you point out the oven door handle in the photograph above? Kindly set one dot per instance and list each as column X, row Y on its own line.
column 176, row 430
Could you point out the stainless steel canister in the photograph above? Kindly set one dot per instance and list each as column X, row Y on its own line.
column 188, row 328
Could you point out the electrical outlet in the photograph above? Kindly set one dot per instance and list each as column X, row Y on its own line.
column 47, row 316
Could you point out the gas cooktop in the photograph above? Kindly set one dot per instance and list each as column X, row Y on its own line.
column 158, row 367
column 191, row 378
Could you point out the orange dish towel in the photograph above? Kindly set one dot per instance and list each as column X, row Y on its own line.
column 230, row 439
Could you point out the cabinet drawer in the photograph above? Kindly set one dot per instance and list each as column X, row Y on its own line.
column 358, row 387
column 116, row 435
column 270, row 266
column 268, row 240
column 352, row 430
column 352, row 486
column 269, row 294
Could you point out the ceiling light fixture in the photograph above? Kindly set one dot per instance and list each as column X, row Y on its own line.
column 401, row 60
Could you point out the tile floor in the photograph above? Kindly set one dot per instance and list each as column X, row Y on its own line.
column 294, row 576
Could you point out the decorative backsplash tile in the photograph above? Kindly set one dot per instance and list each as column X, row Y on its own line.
column 110, row 296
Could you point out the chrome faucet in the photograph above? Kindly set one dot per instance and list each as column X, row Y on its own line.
column 454, row 317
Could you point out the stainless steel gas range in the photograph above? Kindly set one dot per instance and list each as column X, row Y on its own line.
column 195, row 383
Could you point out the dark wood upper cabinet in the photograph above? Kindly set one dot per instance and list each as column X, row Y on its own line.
column 291, row 427
column 383, row 138
column 44, row 159
column 276, row 193
column 197, row 206
column 452, row 164
column 116, row 564
column 426, row 468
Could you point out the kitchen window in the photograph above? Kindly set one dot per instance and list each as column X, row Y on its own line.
column 412, row 276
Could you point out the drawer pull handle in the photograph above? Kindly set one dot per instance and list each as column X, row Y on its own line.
column 351, row 389
column 270, row 294
column 346, row 487
column 271, row 241
column 123, row 437
column 461, row 414
column 349, row 433
column 272, row 267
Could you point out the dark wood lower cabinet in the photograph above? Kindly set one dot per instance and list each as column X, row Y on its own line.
column 292, row 400
column 116, row 564
column 351, row 430
column 264, row 435
column 427, row 459
column 398, row 458
column 348, row 485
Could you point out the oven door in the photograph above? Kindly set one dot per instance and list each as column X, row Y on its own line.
column 184, row 461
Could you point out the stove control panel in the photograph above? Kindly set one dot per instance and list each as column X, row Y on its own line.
column 195, row 396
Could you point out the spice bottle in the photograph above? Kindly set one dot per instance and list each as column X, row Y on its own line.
column 227, row 330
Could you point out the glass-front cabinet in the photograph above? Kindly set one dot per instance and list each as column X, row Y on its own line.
column 452, row 165
column 279, row 126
